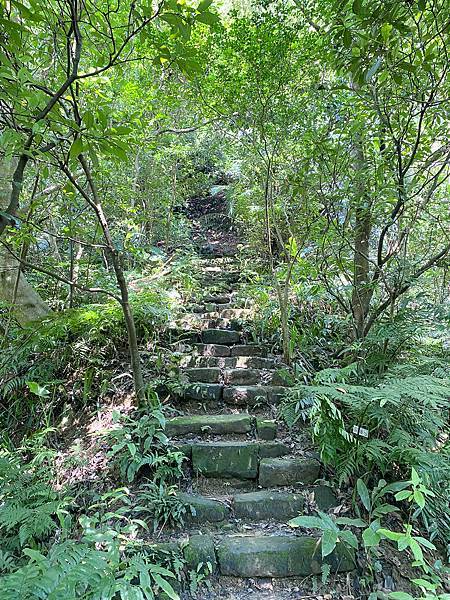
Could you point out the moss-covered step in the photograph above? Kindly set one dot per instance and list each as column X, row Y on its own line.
column 253, row 394
column 203, row 391
column 266, row 429
column 215, row 424
column 215, row 350
column 203, row 374
column 287, row 471
column 243, row 376
column 217, row 299
column 200, row 509
column 200, row 550
column 220, row 336
column 221, row 323
column 230, row 362
column 267, row 505
column 233, row 459
column 248, row 350
column 226, row 459
column 277, row 556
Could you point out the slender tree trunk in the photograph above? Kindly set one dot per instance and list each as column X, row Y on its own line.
column 26, row 304
column 362, row 291
column 116, row 260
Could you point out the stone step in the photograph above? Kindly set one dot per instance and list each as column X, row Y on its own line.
column 211, row 350
column 203, row 391
column 267, row 505
column 251, row 395
column 231, row 313
column 277, row 556
column 232, row 362
column 233, row 459
column 212, row 308
column 220, row 336
column 256, row 555
column 248, row 350
column 199, row 322
column 200, row 509
column 214, row 424
column 285, row 471
column 203, row 374
column 248, row 376
column 217, row 299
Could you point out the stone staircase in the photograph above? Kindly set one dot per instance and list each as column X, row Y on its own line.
column 246, row 475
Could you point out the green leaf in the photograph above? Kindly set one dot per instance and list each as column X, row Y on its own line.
column 370, row 538
column 351, row 522
column 390, row 535
column 363, row 493
column 165, row 586
column 347, row 38
column 76, row 148
column 357, row 7
column 329, row 541
column 427, row 585
column 400, row 596
column 422, row 4
column 204, row 5
column 349, row 538
column 402, row 495
column 419, row 498
column 208, row 18
column 308, row 522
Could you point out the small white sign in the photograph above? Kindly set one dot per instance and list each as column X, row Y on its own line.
column 361, row 431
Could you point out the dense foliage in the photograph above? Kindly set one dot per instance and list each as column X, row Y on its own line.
column 327, row 123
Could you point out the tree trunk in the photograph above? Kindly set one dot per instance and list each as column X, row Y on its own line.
column 362, row 291
column 25, row 303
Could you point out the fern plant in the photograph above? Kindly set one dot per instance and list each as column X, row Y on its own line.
column 141, row 442
column 30, row 509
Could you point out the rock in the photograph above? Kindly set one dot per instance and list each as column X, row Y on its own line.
column 266, row 429
column 242, row 376
column 259, row 506
column 203, row 391
column 325, row 497
column 211, row 349
column 203, row 374
column 220, row 336
column 281, row 378
column 287, row 471
column 276, row 394
column 216, row 424
column 244, row 395
column 226, row 459
column 275, row 556
column 201, row 509
column 248, row 350
column 185, row 449
column 272, row 449
column 217, row 299
column 200, row 551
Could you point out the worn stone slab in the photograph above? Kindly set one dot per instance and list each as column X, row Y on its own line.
column 244, row 395
column 248, row 350
column 226, row 459
column 203, row 374
column 215, row 424
column 273, row 449
column 201, row 509
column 200, row 550
column 259, row 506
column 220, row 323
column 220, row 336
column 287, row 471
column 203, row 391
column 266, row 429
column 276, row 394
column 243, row 376
column 276, row 556
column 217, row 299
column 325, row 497
column 211, row 349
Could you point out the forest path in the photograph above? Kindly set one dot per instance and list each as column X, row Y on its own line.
column 246, row 475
